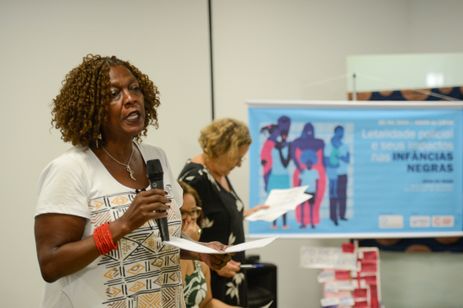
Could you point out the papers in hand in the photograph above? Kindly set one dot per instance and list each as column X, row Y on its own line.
column 280, row 201
column 196, row 247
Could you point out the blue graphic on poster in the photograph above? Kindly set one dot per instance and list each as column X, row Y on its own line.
column 368, row 170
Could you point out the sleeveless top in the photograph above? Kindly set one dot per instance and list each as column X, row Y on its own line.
column 195, row 288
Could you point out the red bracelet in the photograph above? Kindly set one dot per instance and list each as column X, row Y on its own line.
column 103, row 239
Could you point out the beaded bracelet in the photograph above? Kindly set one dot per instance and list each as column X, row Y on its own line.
column 103, row 239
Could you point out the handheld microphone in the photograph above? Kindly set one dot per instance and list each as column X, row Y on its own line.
column 156, row 175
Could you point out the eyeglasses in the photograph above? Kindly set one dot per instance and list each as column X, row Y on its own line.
column 193, row 213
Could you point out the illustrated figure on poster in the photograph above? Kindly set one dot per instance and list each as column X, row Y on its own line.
column 275, row 157
column 337, row 158
column 309, row 177
column 300, row 148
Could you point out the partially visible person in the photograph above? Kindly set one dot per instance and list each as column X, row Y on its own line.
column 196, row 274
column 94, row 226
column 224, row 143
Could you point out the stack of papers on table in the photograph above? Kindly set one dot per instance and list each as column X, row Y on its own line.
column 280, row 201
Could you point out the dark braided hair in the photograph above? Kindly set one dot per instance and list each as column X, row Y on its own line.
column 80, row 108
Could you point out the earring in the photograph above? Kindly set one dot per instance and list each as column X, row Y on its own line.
column 99, row 141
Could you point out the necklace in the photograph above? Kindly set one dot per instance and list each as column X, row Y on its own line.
column 127, row 166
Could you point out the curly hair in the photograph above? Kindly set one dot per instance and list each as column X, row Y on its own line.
column 80, row 108
column 224, row 135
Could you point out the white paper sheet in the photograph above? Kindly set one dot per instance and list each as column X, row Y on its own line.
column 250, row 245
column 196, row 247
column 280, row 201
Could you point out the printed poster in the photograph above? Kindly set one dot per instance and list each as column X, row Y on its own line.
column 369, row 170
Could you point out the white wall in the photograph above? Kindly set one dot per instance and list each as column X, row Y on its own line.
column 40, row 42
column 276, row 49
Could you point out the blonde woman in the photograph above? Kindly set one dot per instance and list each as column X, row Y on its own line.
column 224, row 144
